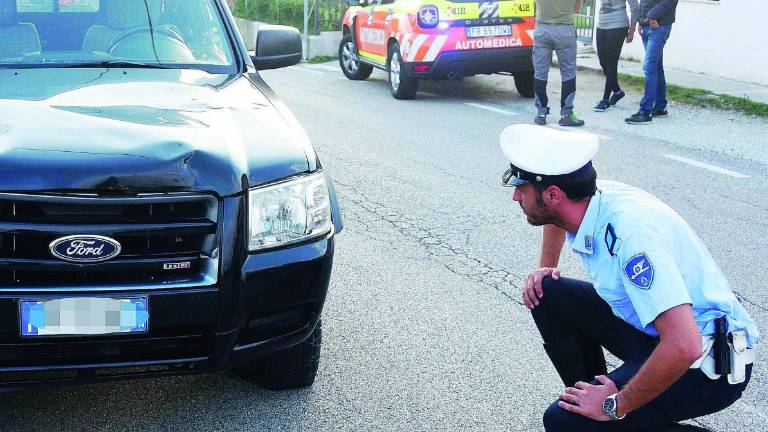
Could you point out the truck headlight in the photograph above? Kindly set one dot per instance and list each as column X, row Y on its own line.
column 288, row 212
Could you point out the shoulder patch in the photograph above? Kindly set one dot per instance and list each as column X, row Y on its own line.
column 639, row 271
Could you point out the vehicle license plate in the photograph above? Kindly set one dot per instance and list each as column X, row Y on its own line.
column 489, row 31
column 84, row 316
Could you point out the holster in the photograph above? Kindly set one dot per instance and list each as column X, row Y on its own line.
column 738, row 355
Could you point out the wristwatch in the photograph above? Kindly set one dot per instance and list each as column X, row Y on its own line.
column 610, row 406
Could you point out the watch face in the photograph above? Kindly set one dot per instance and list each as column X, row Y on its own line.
column 609, row 405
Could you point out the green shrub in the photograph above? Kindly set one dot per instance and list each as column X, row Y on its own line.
column 291, row 12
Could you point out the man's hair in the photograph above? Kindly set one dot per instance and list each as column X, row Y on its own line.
column 575, row 188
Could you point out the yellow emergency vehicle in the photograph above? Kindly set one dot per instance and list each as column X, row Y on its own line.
column 438, row 39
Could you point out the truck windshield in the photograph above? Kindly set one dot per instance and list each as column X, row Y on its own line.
column 120, row 33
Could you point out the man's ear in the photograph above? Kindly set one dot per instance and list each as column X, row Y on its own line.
column 553, row 195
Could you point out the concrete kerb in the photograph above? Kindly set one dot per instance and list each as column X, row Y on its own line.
column 587, row 59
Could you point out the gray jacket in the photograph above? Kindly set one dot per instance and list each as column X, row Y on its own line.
column 613, row 13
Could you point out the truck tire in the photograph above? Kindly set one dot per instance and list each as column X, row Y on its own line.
column 401, row 86
column 350, row 61
column 524, row 84
column 291, row 368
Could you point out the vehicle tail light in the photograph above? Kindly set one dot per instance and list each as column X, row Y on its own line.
column 421, row 68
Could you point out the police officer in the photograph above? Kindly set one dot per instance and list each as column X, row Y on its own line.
column 657, row 300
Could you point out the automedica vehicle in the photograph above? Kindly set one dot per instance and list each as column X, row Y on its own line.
column 438, row 39
column 161, row 211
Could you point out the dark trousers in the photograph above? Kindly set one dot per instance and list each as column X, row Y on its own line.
column 573, row 309
column 609, row 43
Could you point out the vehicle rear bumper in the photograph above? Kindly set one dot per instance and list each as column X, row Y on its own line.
column 456, row 64
column 274, row 302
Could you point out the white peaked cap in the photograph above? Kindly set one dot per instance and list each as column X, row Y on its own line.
column 535, row 152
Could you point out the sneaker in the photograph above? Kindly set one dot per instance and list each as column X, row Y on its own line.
column 570, row 120
column 616, row 97
column 540, row 119
column 658, row 112
column 602, row 105
column 639, row 118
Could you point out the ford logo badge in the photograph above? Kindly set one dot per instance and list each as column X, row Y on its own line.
column 85, row 248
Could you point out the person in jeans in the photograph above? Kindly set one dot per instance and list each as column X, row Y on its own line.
column 555, row 32
column 613, row 28
column 656, row 18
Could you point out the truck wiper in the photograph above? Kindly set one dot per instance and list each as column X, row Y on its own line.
column 110, row 64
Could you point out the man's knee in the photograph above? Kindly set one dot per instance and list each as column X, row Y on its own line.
column 557, row 419
column 551, row 287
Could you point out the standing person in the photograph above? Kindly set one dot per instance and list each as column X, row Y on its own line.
column 555, row 32
column 658, row 300
column 613, row 28
column 656, row 18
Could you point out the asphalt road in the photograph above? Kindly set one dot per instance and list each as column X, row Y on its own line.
column 424, row 328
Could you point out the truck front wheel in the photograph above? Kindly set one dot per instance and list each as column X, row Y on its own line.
column 350, row 61
column 291, row 368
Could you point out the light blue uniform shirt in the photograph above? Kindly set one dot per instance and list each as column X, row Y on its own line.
column 658, row 262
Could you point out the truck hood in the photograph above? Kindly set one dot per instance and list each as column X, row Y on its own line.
column 144, row 130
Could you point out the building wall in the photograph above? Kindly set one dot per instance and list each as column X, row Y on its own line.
column 723, row 38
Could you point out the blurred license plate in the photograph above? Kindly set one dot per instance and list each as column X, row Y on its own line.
column 489, row 31
column 84, row 316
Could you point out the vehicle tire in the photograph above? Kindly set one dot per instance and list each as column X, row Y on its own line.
column 291, row 368
column 401, row 86
column 524, row 84
column 350, row 61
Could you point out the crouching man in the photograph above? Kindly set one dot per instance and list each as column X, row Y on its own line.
column 657, row 300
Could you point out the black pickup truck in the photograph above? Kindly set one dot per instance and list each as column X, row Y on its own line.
column 161, row 211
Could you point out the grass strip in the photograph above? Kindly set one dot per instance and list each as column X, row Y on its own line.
column 321, row 59
column 701, row 97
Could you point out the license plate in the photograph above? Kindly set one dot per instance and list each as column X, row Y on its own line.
column 489, row 31
column 83, row 316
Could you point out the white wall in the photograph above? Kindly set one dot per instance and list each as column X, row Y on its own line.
column 724, row 38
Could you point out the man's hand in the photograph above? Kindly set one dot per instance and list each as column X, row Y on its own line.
column 533, row 291
column 653, row 23
column 631, row 35
column 587, row 399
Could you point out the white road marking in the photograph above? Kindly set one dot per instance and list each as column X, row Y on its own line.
column 569, row 129
column 305, row 69
column 490, row 108
column 706, row 166
column 324, row 67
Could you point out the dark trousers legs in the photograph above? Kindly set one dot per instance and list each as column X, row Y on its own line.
column 609, row 43
column 571, row 310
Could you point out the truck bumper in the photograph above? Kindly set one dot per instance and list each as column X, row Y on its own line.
column 273, row 302
column 457, row 64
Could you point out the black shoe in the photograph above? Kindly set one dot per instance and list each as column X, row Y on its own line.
column 658, row 112
column 639, row 118
column 616, row 97
column 571, row 120
column 540, row 119
column 602, row 105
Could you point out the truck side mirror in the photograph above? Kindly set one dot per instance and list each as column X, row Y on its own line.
column 277, row 46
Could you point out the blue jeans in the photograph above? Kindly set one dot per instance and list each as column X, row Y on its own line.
column 655, row 94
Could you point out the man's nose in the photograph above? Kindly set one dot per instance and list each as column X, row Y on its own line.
column 516, row 195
